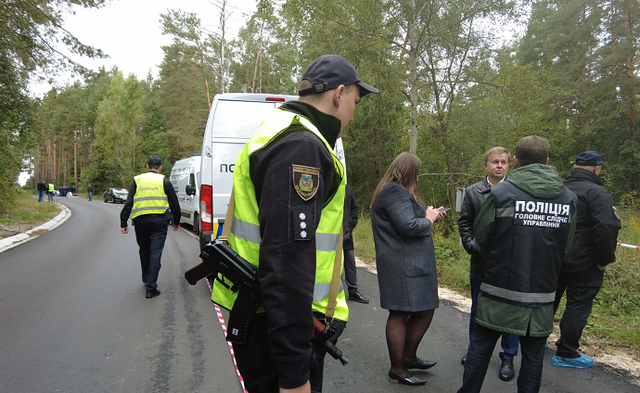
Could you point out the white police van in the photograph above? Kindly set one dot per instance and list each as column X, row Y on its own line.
column 233, row 119
column 185, row 178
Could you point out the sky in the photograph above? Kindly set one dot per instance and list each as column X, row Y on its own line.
column 129, row 31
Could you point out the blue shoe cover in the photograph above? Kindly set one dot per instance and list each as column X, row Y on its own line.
column 583, row 361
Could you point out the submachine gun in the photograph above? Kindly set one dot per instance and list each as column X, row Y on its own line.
column 221, row 263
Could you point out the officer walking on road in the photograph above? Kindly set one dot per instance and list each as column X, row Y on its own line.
column 524, row 228
column 594, row 248
column 496, row 164
column 150, row 195
column 287, row 219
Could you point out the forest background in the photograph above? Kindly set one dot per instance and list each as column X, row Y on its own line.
column 453, row 84
column 451, row 87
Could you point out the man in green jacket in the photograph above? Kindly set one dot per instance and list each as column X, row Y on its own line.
column 524, row 228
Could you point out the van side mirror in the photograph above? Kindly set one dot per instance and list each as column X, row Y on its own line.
column 190, row 190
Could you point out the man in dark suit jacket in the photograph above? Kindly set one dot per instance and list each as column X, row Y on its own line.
column 496, row 164
column 351, row 212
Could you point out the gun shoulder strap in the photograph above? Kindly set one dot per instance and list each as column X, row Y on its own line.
column 335, row 283
column 335, row 279
column 228, row 219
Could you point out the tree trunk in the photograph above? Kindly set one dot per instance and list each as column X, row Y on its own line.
column 631, row 102
column 75, row 158
column 413, row 83
column 447, row 157
column 222, row 28
column 255, row 68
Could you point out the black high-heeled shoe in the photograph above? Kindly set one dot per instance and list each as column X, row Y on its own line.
column 420, row 364
column 409, row 379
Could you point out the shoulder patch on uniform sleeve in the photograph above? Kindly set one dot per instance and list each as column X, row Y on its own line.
column 615, row 212
column 306, row 180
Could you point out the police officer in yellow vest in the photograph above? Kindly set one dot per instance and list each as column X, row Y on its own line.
column 289, row 203
column 150, row 195
column 50, row 192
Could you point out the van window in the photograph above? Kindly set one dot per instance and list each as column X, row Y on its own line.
column 192, row 180
column 239, row 119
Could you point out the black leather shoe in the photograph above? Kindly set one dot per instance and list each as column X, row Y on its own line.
column 506, row 370
column 464, row 359
column 410, row 379
column 152, row 293
column 420, row 364
column 358, row 297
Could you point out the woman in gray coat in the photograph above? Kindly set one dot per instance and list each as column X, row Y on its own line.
column 406, row 264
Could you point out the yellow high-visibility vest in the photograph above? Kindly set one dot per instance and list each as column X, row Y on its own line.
column 245, row 229
column 150, row 197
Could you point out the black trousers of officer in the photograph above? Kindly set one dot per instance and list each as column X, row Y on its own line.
column 483, row 341
column 151, row 232
column 581, row 289
column 350, row 274
column 258, row 370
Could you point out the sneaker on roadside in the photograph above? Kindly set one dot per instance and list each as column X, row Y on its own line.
column 583, row 361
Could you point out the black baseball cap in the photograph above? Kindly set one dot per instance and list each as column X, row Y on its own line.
column 327, row 72
column 590, row 158
column 154, row 161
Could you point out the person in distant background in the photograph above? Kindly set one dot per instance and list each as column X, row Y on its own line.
column 90, row 192
column 42, row 188
column 351, row 220
column 50, row 192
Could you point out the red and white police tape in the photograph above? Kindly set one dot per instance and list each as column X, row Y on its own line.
column 233, row 355
column 629, row 246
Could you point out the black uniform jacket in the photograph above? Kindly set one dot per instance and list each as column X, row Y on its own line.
column 288, row 260
column 351, row 217
column 174, row 204
column 597, row 224
column 474, row 196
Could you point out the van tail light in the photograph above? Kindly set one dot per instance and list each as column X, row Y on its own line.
column 206, row 208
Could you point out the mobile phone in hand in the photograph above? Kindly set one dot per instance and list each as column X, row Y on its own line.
column 444, row 209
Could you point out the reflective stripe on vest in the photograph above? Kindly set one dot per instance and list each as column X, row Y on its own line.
column 245, row 236
column 150, row 197
column 520, row 297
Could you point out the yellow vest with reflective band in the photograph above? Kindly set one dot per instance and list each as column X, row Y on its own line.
column 51, row 187
column 150, row 197
column 245, row 236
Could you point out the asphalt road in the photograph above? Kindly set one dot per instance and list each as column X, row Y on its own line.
column 73, row 318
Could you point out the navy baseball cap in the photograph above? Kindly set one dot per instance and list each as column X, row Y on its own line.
column 327, row 72
column 590, row 158
column 154, row 161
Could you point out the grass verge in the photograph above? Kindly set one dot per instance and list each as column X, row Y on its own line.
column 26, row 214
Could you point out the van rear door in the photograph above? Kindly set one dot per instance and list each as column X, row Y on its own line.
column 233, row 120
